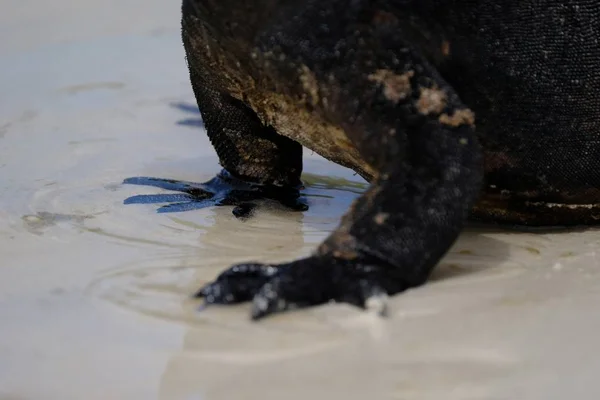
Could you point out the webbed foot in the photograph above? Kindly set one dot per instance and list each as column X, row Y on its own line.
column 223, row 190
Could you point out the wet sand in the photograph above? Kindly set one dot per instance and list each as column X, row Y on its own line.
column 94, row 295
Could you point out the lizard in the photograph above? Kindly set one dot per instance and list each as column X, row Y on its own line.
column 452, row 110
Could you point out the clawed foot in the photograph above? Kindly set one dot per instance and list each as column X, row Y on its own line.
column 307, row 282
column 222, row 190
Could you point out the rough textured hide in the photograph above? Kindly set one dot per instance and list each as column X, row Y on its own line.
column 449, row 108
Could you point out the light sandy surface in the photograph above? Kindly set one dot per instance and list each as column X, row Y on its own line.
column 94, row 294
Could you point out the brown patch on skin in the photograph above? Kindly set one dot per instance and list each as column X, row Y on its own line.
column 309, row 84
column 381, row 17
column 446, row 48
column 431, row 101
column 292, row 115
column 459, row 117
column 292, row 119
column 341, row 245
column 345, row 254
column 381, row 217
column 395, row 87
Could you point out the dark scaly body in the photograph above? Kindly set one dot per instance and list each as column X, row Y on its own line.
column 488, row 109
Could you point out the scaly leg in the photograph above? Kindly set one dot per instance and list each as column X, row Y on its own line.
column 258, row 163
column 411, row 127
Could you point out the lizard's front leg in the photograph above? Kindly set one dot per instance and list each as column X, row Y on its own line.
column 412, row 128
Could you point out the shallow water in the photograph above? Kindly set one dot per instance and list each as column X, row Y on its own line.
column 94, row 294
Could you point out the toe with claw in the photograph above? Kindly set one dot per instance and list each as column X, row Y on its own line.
column 307, row 282
column 223, row 190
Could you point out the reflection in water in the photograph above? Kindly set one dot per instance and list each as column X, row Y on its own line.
column 191, row 109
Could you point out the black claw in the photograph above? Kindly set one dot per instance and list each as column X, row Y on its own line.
column 199, row 293
column 373, row 297
column 205, row 291
column 244, row 210
column 213, row 292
